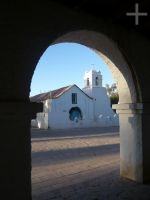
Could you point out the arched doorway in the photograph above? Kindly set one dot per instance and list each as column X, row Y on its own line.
column 129, row 95
column 75, row 114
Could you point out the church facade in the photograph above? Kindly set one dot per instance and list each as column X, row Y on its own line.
column 70, row 107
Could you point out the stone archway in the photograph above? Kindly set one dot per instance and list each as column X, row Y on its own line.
column 111, row 54
column 129, row 108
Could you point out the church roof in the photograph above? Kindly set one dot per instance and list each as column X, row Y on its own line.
column 53, row 94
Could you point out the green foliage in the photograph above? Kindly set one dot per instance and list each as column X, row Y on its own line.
column 114, row 98
column 112, row 92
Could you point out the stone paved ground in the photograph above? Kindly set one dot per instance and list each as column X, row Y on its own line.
column 80, row 164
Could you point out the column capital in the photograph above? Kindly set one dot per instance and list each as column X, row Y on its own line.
column 20, row 108
column 133, row 108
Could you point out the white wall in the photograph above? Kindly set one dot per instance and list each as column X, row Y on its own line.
column 103, row 113
column 42, row 120
column 59, row 113
column 96, row 112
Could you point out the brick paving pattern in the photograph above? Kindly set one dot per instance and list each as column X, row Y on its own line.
column 80, row 164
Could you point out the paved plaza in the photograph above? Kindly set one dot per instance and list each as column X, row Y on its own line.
column 80, row 164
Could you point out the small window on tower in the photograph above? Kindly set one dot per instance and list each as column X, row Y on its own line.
column 74, row 98
column 88, row 82
column 96, row 81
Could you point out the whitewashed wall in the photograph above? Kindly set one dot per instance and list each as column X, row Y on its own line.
column 41, row 121
column 96, row 112
column 103, row 113
column 60, row 107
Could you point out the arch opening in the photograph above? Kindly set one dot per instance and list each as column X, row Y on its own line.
column 110, row 53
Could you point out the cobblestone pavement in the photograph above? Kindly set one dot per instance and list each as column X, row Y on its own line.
column 80, row 164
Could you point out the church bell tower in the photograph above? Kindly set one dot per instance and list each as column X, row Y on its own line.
column 92, row 79
column 93, row 87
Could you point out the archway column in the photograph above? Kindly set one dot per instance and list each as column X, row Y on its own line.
column 146, row 141
column 15, row 173
column 131, row 144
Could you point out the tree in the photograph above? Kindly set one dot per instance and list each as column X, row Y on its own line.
column 112, row 92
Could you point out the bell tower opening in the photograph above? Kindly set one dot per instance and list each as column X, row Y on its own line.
column 92, row 79
column 88, row 82
column 96, row 81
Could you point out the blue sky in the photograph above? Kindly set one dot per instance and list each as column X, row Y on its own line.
column 64, row 64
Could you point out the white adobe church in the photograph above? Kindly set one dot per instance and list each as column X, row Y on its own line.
column 70, row 107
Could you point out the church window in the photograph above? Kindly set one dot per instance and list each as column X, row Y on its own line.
column 75, row 114
column 88, row 82
column 74, row 98
column 96, row 81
